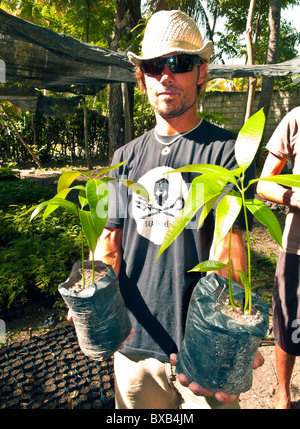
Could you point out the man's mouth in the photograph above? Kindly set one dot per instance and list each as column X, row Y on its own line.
column 168, row 94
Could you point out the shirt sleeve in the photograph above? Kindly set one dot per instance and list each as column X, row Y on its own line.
column 282, row 141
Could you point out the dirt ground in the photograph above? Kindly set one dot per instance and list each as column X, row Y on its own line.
column 263, row 392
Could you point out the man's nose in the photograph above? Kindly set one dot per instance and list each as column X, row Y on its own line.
column 166, row 74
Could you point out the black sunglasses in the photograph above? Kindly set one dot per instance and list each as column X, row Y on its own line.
column 182, row 63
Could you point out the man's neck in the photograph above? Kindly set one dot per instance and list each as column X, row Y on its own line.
column 177, row 125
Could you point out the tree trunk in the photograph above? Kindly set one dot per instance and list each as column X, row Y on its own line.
column 272, row 52
column 128, row 14
column 251, row 60
column 115, row 119
column 126, row 110
column 271, row 58
column 86, row 136
column 34, row 156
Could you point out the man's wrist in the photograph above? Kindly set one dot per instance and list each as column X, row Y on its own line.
column 287, row 197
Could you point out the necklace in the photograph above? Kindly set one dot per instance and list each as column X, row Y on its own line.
column 167, row 144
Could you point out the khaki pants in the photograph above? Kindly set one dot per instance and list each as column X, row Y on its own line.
column 147, row 383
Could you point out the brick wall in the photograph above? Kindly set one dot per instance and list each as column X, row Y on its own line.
column 232, row 105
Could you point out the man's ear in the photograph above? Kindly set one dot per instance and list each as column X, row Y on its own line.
column 202, row 74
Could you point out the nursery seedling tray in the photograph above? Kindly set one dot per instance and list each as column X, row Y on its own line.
column 50, row 371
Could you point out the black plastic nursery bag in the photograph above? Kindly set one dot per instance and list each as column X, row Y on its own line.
column 218, row 351
column 98, row 312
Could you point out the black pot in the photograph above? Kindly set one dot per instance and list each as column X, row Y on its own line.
column 218, row 351
column 98, row 312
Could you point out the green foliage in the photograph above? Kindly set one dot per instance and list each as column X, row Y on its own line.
column 40, row 260
column 57, row 139
column 215, row 180
column 21, row 192
column 91, row 210
column 216, row 118
column 87, row 20
column 7, row 173
column 33, row 257
column 231, row 41
column 143, row 114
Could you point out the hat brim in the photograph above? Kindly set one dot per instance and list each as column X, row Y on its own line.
column 204, row 53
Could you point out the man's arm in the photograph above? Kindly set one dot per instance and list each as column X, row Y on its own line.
column 273, row 191
column 109, row 248
column 238, row 254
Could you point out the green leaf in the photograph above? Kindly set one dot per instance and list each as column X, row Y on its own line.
column 113, row 167
column 291, row 180
column 227, row 211
column 136, row 188
column 38, row 210
column 53, row 204
column 248, row 139
column 97, row 197
column 247, row 286
column 82, row 199
column 88, row 229
column 61, row 202
column 203, row 189
column 79, row 187
column 265, row 216
column 68, row 177
column 206, row 209
column 208, row 266
column 244, row 278
column 51, row 208
column 209, row 168
column 200, row 168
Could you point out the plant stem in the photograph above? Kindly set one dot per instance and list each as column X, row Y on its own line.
column 247, row 291
column 82, row 259
column 231, row 297
column 93, row 268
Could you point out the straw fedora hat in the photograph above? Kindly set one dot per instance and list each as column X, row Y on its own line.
column 170, row 31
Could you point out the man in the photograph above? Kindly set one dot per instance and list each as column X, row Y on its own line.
column 173, row 71
column 285, row 144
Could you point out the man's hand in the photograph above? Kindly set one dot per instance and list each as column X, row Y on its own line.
column 222, row 397
column 295, row 200
column 128, row 338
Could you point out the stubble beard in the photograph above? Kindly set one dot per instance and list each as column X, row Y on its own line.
column 167, row 110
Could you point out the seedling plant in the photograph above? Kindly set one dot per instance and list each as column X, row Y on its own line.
column 227, row 189
column 91, row 210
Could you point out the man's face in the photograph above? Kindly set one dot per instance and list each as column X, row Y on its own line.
column 170, row 94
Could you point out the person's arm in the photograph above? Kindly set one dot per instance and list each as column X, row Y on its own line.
column 238, row 254
column 273, row 191
column 109, row 248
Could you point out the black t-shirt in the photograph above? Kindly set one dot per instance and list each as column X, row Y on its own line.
column 157, row 292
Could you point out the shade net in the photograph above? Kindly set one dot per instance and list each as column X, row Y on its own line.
column 38, row 58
